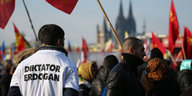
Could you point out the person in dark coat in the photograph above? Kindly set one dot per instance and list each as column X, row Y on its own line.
column 100, row 81
column 187, row 91
column 184, row 77
column 157, row 80
column 6, row 78
column 123, row 79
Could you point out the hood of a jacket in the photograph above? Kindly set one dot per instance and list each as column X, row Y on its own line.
column 132, row 62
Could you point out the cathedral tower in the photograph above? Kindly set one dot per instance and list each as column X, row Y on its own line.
column 104, row 35
column 130, row 22
column 120, row 24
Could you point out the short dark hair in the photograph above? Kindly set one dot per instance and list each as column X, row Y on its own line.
column 110, row 61
column 131, row 42
column 50, row 33
column 156, row 53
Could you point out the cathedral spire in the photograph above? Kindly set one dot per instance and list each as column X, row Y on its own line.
column 130, row 10
column 121, row 9
column 131, row 25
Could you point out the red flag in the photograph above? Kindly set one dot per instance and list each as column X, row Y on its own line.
column 187, row 43
column 155, row 42
column 21, row 43
column 77, row 50
column 63, row 5
column 103, row 50
column 173, row 28
column 6, row 9
column 85, row 51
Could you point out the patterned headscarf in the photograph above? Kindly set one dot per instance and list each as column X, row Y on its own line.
column 84, row 72
column 157, row 69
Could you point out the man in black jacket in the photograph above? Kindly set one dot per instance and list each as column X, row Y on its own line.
column 123, row 79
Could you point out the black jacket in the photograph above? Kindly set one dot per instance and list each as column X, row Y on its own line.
column 123, row 79
column 83, row 90
column 167, row 87
column 4, row 84
column 187, row 91
column 99, row 83
column 184, row 78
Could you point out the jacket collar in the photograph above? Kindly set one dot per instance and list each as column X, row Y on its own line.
column 61, row 49
column 132, row 61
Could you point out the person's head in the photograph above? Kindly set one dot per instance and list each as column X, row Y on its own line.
column 94, row 68
column 157, row 69
column 156, row 53
column 85, row 71
column 110, row 61
column 134, row 46
column 51, row 34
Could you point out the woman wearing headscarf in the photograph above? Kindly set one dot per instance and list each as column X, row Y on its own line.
column 157, row 80
column 86, row 72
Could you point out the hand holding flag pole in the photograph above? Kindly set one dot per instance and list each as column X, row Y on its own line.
column 114, row 33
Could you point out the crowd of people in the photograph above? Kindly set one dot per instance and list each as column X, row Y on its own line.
column 47, row 71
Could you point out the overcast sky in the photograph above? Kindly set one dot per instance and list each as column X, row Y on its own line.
column 87, row 14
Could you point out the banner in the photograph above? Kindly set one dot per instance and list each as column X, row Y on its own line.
column 173, row 28
column 187, row 43
column 84, row 51
column 155, row 42
column 21, row 42
column 66, row 6
column 6, row 9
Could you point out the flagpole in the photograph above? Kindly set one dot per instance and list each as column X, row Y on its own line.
column 114, row 33
column 30, row 20
column 184, row 55
column 172, row 57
